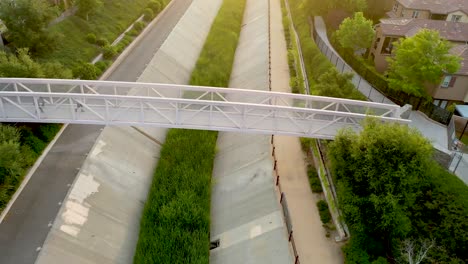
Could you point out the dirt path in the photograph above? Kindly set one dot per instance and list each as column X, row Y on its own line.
column 312, row 245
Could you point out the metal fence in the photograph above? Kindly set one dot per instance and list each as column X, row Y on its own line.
column 284, row 205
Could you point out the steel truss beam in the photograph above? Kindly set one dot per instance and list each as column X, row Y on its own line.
column 183, row 106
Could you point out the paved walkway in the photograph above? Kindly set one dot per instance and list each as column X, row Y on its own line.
column 312, row 244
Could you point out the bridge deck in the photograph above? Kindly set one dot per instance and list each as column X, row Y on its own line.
column 182, row 106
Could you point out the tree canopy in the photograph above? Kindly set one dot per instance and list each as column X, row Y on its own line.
column 334, row 84
column 86, row 7
column 391, row 192
column 26, row 21
column 420, row 60
column 22, row 65
column 355, row 33
column 322, row 7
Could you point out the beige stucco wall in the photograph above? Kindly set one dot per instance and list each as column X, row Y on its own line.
column 408, row 13
column 380, row 60
column 464, row 18
column 456, row 93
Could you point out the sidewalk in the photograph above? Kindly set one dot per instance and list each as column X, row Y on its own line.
column 309, row 235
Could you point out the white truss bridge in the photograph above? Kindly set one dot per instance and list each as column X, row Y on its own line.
column 184, row 106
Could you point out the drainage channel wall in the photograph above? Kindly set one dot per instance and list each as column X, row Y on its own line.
column 245, row 214
column 99, row 219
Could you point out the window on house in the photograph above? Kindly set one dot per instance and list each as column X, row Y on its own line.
column 388, row 45
column 436, row 102
column 415, row 14
column 443, row 104
column 456, row 18
column 448, row 81
column 395, row 7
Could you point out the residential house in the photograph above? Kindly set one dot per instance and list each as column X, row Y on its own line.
column 448, row 10
column 410, row 16
column 392, row 29
column 454, row 87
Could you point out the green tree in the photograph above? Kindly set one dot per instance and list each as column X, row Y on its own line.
column 356, row 33
column 26, row 21
column 380, row 172
column 420, row 61
column 354, row 5
column 334, row 84
column 22, row 65
column 87, row 7
column 10, row 155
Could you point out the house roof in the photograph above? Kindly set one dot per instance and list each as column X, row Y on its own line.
column 462, row 51
column 407, row 27
column 437, row 6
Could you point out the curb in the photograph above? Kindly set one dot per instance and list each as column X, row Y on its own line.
column 132, row 45
column 31, row 171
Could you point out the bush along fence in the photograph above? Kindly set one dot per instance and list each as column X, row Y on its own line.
column 175, row 225
column 374, row 85
column 284, row 203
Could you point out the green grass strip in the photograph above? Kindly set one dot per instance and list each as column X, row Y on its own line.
column 107, row 22
column 176, row 219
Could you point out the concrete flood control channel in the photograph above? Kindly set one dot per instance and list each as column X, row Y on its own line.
column 245, row 214
column 27, row 224
column 99, row 220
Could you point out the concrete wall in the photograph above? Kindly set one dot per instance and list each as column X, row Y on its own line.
column 245, row 212
column 100, row 217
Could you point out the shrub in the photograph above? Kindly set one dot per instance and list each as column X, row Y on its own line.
column 91, row 38
column 132, row 32
column 155, row 6
column 102, row 65
column 314, row 180
column 148, row 14
column 108, row 52
column 138, row 26
column 47, row 132
column 86, row 71
column 324, row 211
column 102, row 42
column 29, row 139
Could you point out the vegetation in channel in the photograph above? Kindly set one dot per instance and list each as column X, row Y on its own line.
column 176, row 220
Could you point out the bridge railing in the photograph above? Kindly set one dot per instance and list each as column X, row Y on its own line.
column 176, row 106
column 196, row 93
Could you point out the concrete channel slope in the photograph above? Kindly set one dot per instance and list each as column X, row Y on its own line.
column 27, row 223
column 246, row 216
column 99, row 219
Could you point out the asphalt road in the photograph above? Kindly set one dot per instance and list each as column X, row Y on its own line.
column 25, row 228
